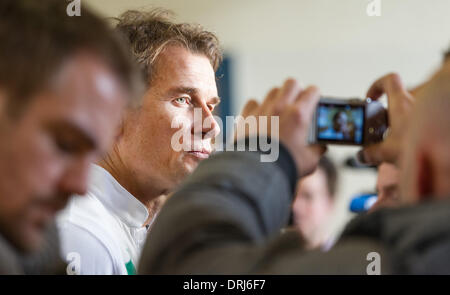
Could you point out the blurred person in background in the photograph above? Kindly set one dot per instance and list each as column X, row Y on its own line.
column 64, row 83
column 179, row 60
column 314, row 203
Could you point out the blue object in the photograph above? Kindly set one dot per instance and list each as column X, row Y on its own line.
column 362, row 203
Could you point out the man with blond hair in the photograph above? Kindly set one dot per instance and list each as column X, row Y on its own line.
column 107, row 228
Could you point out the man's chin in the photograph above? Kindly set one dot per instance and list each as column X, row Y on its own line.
column 184, row 167
column 190, row 162
column 190, row 167
column 181, row 173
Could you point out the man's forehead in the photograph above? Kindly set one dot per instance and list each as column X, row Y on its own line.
column 177, row 63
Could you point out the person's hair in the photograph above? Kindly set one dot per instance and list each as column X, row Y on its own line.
column 328, row 167
column 37, row 37
column 150, row 32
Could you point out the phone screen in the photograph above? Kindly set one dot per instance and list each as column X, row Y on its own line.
column 340, row 123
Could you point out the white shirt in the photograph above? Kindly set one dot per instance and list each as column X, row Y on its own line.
column 102, row 232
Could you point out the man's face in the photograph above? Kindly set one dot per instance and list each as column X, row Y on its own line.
column 340, row 123
column 45, row 152
column 313, row 204
column 182, row 81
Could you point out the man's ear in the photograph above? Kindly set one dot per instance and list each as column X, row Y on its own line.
column 120, row 129
column 124, row 120
column 424, row 178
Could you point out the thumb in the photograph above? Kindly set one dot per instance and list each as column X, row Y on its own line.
column 372, row 155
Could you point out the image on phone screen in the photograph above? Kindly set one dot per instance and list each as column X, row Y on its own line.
column 340, row 123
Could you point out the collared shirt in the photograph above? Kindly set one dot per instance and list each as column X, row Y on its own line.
column 102, row 232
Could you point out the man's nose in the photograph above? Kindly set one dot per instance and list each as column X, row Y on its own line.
column 210, row 128
column 75, row 178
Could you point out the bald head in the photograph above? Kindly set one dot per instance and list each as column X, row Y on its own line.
column 426, row 161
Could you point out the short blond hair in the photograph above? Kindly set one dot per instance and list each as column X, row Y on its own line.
column 149, row 32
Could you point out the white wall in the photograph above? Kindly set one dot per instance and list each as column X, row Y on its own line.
column 333, row 44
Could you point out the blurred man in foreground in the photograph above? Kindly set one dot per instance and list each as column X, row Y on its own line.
column 227, row 222
column 63, row 86
column 109, row 226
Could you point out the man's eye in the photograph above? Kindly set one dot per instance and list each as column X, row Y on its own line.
column 182, row 100
column 64, row 147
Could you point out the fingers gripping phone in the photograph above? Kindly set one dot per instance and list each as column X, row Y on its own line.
column 348, row 122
